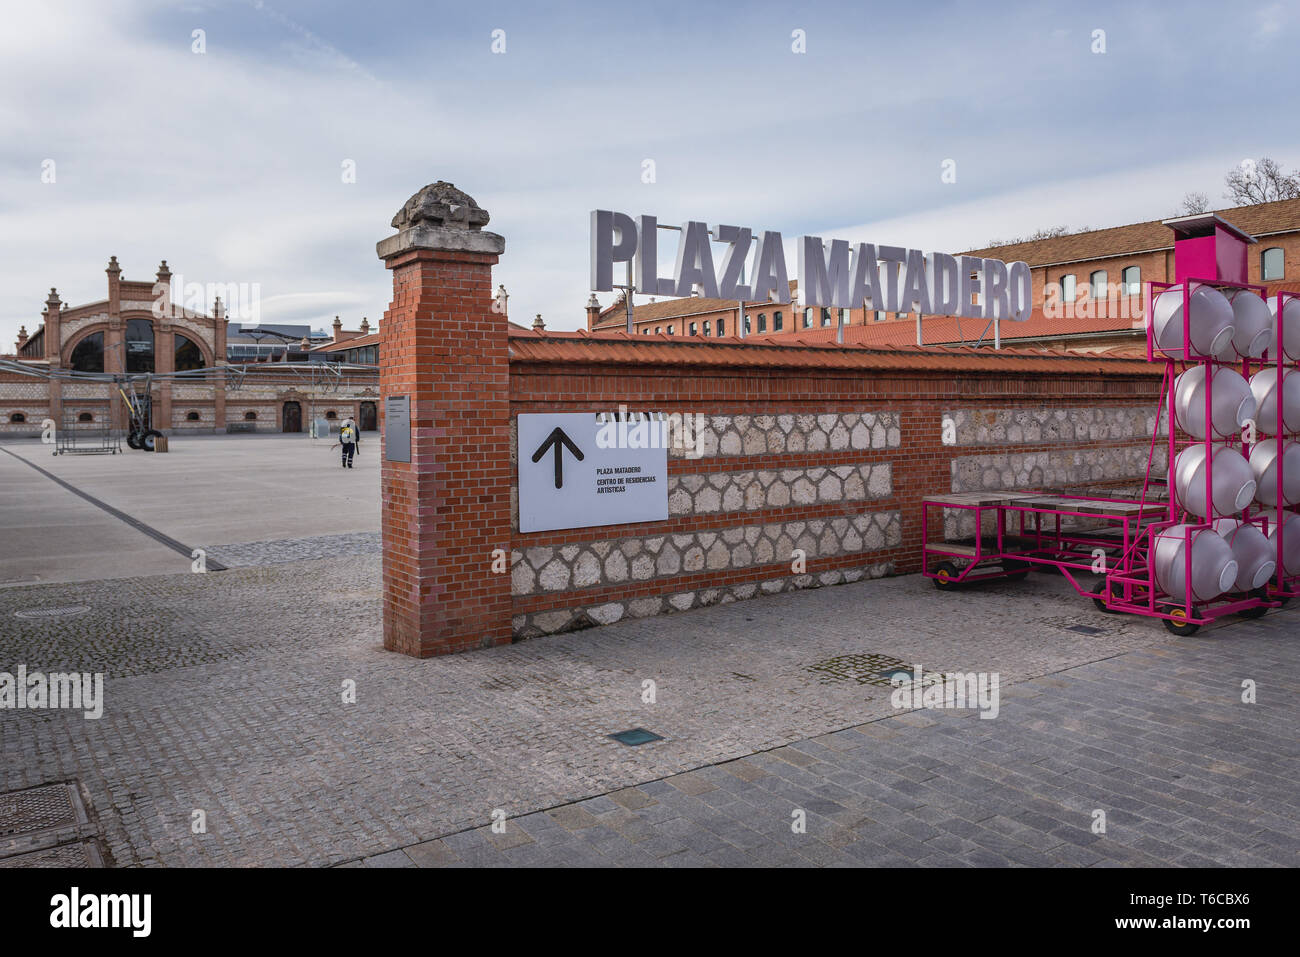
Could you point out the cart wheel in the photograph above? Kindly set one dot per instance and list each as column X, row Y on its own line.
column 1261, row 611
column 146, row 440
column 1180, row 628
column 1017, row 571
column 133, row 440
column 1100, row 589
column 945, row 576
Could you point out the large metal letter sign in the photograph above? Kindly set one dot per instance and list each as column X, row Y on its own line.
column 580, row 469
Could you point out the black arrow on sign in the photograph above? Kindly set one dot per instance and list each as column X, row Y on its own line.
column 557, row 438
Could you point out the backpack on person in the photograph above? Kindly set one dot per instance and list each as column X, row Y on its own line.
column 347, row 435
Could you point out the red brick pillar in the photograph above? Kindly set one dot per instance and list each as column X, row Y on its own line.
column 446, row 510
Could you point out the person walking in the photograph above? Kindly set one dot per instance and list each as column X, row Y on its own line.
column 350, row 438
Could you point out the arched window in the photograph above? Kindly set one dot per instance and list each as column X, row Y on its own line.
column 807, row 317
column 188, row 355
column 1097, row 282
column 139, row 345
column 1132, row 280
column 88, row 356
column 331, row 414
column 747, row 324
column 1272, row 263
column 250, row 416
column 1067, row 287
column 722, row 327
column 826, row 316
column 85, row 417
column 844, row 317
column 762, row 322
column 777, row 322
column 706, row 328
column 191, row 417
column 17, row 417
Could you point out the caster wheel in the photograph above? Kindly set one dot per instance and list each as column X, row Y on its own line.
column 945, row 576
column 147, row 440
column 1252, row 613
column 1098, row 590
column 1174, row 626
column 1016, row 571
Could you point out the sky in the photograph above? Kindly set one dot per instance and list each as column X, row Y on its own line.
column 227, row 157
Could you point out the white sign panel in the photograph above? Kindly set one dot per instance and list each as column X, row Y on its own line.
column 577, row 471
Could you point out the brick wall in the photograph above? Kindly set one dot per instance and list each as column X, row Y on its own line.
column 832, row 462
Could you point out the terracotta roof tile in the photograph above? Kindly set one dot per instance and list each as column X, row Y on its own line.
column 1258, row 220
column 620, row 348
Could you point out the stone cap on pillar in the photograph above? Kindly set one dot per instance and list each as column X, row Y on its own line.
column 444, row 218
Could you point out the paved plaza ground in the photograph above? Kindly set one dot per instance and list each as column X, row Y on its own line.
column 224, row 694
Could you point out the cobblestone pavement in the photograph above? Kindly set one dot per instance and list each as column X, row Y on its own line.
column 224, row 694
column 1158, row 739
column 294, row 549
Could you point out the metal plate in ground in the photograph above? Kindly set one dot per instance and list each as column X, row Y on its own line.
column 82, row 854
column 66, row 611
column 864, row 669
column 38, row 809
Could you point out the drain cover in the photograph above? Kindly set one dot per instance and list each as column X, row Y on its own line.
column 65, row 855
column 65, row 611
column 864, row 669
column 636, row 736
column 51, row 805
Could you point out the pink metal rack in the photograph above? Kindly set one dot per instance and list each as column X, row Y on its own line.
column 1115, row 539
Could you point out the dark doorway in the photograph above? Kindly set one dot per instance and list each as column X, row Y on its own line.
column 368, row 421
column 291, row 419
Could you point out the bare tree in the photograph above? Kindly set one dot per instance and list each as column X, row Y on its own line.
column 1050, row 233
column 1193, row 203
column 1260, row 181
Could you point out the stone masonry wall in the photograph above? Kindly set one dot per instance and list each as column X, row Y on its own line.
column 806, row 479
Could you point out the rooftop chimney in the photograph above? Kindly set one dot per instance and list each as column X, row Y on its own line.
column 593, row 311
column 365, row 326
column 538, row 325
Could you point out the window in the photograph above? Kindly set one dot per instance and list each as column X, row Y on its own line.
column 901, row 315
column 250, row 416
column 331, row 414
column 880, row 316
column 88, row 356
column 191, row 417
column 1271, row 263
column 645, row 330
column 692, row 328
column 1067, row 287
column 1097, row 283
column 777, row 322
column 826, row 316
column 1131, row 279
column 188, row 355
column 706, row 327
column 807, row 317
column 658, row 329
column 844, row 317
column 139, row 345
column 670, row 330
column 85, row 417
column 722, row 327
column 747, row 329
column 17, row 417
column 762, row 322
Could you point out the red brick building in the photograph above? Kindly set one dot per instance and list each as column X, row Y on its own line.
column 137, row 330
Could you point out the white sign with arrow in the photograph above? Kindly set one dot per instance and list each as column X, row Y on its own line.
column 576, row 471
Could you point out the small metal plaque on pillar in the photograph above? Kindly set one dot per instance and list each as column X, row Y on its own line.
column 397, row 428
